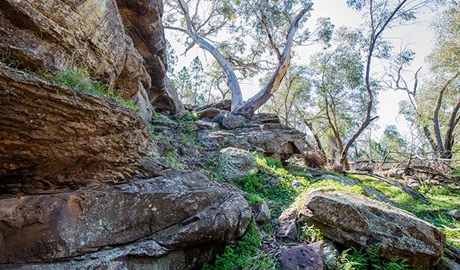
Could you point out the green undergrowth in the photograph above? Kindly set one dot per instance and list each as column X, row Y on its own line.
column 79, row 79
column 273, row 184
column 283, row 189
column 363, row 259
column 245, row 255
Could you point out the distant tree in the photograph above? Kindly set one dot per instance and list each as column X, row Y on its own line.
column 293, row 92
column 190, row 83
column 393, row 143
column 435, row 105
column 338, row 83
column 262, row 34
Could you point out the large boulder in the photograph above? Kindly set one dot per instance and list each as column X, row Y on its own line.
column 125, row 52
column 355, row 220
column 55, row 138
column 162, row 215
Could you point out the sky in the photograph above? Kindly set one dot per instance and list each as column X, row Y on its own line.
column 417, row 36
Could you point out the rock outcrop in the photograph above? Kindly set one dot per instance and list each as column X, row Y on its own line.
column 264, row 134
column 124, row 51
column 358, row 221
column 82, row 187
column 235, row 162
column 54, row 138
column 302, row 258
column 160, row 216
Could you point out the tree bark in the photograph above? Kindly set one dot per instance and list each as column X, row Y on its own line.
column 449, row 138
column 248, row 109
column 437, row 131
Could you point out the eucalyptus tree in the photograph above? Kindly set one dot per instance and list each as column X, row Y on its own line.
column 338, row 82
column 380, row 15
column 257, row 34
column 435, row 106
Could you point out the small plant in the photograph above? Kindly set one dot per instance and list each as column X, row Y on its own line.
column 311, row 234
column 189, row 117
column 171, row 159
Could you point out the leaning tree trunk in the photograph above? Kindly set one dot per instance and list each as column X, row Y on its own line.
column 449, row 136
column 248, row 109
column 232, row 80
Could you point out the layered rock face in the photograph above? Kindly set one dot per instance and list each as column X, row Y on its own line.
column 53, row 138
column 161, row 215
column 81, row 184
column 263, row 134
column 68, row 197
column 358, row 221
column 55, row 35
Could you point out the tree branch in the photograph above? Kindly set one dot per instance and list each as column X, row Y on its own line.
column 273, row 83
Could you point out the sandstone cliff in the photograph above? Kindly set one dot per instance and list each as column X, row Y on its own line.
column 120, row 43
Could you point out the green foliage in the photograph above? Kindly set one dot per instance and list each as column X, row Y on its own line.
column 78, row 79
column 190, row 83
column 189, row 117
column 171, row 159
column 354, row 259
column 243, row 255
column 254, row 199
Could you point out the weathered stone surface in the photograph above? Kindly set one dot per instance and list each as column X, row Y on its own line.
column 454, row 214
column 288, row 224
column 232, row 121
column 235, row 163
column 302, row 258
column 208, row 113
column 53, row 137
column 356, row 220
column 273, row 140
column 262, row 213
column 176, row 212
column 125, row 51
column 145, row 255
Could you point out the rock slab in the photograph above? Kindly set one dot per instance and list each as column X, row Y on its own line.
column 174, row 212
column 355, row 220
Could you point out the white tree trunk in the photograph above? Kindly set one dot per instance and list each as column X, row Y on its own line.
column 247, row 109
